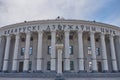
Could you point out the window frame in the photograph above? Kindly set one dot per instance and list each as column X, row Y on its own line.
column 89, row 50
column 22, row 51
column 30, row 50
column 48, row 65
column 71, row 65
column 49, row 49
column 71, row 49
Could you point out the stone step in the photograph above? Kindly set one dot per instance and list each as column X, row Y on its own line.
column 53, row 75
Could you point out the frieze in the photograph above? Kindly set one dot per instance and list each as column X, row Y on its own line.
column 59, row 27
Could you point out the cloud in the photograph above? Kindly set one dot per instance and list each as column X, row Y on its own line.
column 13, row 11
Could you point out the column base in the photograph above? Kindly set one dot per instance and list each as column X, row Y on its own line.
column 105, row 71
column 82, row 71
column 59, row 77
column 38, row 71
column 67, row 71
column 14, row 71
column 114, row 71
column 5, row 71
column 25, row 71
column 118, row 70
column 52, row 71
column 94, row 71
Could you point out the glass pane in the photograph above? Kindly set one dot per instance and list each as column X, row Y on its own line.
column 97, row 51
column 70, row 49
column 48, row 65
column 30, row 65
column 31, row 50
column 49, row 49
column 71, row 65
column 89, row 50
column 90, row 66
column 22, row 51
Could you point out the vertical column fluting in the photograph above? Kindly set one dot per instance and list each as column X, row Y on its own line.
column 26, row 55
column 104, row 54
column 1, row 53
column 53, row 51
column 39, row 52
column 67, row 53
column 113, row 55
column 80, row 54
column 6, row 56
column 94, row 61
column 2, row 44
column 15, row 55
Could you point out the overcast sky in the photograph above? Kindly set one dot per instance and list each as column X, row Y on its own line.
column 15, row 11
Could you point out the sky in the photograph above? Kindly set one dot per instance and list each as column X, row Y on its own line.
column 15, row 11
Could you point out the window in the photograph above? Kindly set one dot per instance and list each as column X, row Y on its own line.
column 89, row 50
column 71, row 65
column 31, row 50
column 97, row 51
column 49, row 49
column 71, row 49
column 23, row 39
column 31, row 39
column 22, row 51
column 90, row 66
column 49, row 37
column 48, row 65
column 71, row 37
column 30, row 65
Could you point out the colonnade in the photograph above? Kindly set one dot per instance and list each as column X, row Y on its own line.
column 81, row 64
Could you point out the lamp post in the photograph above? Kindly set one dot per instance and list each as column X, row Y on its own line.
column 59, row 47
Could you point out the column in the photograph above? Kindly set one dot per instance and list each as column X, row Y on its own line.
column 94, row 62
column 80, row 54
column 113, row 55
column 53, row 51
column 39, row 52
column 15, row 55
column 2, row 46
column 118, row 54
column 6, row 56
column 1, row 53
column 26, row 55
column 67, row 53
column 104, row 54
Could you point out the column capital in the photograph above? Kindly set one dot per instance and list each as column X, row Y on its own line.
column 40, row 32
column 8, row 35
column 53, row 30
column 92, row 32
column 80, row 31
column 17, row 34
column 28, row 33
column 66, row 31
column 111, row 36
column 102, row 35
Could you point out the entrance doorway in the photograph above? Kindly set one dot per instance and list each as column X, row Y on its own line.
column 99, row 66
column 20, row 66
column 62, row 66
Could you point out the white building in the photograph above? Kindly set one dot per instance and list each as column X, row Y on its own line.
column 88, row 46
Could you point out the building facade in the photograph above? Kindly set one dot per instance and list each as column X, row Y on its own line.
column 88, row 46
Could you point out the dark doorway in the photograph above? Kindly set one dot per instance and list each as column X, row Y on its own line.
column 99, row 66
column 20, row 66
column 62, row 66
